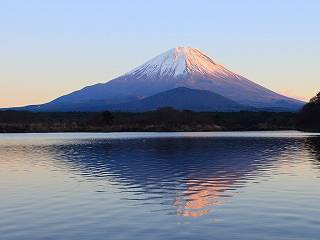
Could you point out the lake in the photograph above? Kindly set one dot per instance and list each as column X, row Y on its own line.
column 223, row 185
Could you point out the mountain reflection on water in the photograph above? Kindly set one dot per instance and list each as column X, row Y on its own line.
column 244, row 186
column 191, row 174
column 313, row 146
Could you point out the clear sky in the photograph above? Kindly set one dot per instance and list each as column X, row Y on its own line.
column 50, row 48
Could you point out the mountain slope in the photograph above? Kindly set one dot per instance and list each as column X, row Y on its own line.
column 178, row 67
column 183, row 99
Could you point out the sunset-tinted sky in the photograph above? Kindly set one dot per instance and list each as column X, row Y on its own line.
column 50, row 48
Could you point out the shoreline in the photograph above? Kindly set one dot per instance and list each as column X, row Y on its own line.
column 149, row 130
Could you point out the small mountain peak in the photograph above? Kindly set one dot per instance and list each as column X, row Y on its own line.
column 184, row 48
column 186, row 51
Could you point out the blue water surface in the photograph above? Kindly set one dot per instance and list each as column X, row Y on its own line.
column 227, row 185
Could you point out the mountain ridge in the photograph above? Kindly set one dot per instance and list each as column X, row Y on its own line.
column 178, row 67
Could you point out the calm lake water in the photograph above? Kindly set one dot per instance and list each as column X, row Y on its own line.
column 241, row 185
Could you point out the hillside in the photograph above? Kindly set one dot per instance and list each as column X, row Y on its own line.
column 184, row 99
column 309, row 116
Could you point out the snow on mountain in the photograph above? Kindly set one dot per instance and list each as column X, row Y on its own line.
column 180, row 61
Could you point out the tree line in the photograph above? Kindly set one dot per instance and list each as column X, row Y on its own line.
column 163, row 119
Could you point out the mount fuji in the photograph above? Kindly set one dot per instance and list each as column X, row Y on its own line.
column 180, row 67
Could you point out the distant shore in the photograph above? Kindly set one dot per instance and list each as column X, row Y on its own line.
column 161, row 120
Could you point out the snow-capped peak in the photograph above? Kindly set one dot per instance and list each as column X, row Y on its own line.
column 180, row 61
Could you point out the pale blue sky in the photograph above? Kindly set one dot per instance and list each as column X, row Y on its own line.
column 49, row 48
